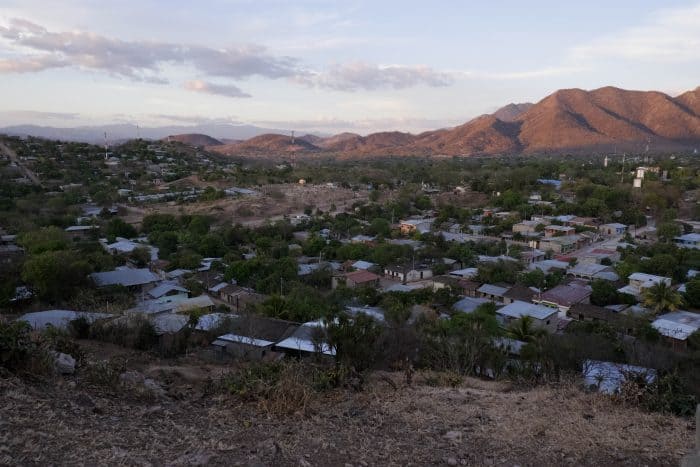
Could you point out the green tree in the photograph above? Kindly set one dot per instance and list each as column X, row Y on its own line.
column 45, row 239
column 55, row 275
column 354, row 340
column 116, row 227
column 603, row 293
column 524, row 329
column 661, row 298
column 692, row 293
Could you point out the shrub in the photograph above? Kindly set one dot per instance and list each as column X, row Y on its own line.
column 16, row 344
column 22, row 351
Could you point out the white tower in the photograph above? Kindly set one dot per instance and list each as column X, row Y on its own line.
column 605, row 161
column 105, row 145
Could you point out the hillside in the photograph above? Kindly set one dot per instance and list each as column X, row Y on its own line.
column 511, row 112
column 569, row 120
column 267, row 145
column 194, row 139
column 185, row 420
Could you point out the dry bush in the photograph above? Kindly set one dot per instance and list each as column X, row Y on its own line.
column 291, row 393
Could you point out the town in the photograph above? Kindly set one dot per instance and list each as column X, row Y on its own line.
column 501, row 269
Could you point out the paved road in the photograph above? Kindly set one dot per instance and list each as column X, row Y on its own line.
column 13, row 157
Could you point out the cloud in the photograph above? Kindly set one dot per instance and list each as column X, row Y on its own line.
column 137, row 60
column 671, row 35
column 144, row 61
column 227, row 90
column 366, row 76
column 31, row 65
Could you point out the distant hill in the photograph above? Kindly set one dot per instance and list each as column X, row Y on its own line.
column 267, row 145
column 121, row 132
column 511, row 112
column 194, row 139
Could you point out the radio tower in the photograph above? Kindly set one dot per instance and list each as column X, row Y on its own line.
column 105, row 145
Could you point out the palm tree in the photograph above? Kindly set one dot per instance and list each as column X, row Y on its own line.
column 524, row 330
column 660, row 297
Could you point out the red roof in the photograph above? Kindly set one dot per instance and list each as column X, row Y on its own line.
column 359, row 277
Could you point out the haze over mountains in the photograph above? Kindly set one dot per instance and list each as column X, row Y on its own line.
column 569, row 120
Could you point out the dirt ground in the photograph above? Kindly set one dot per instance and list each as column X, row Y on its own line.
column 275, row 202
column 68, row 421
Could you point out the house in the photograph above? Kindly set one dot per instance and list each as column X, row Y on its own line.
column 610, row 230
column 81, row 232
column 167, row 291
column 601, row 255
column 548, row 266
column 558, row 231
column 690, row 240
column 588, row 312
column 561, row 245
column 363, row 265
column 411, row 226
column 518, row 292
column 125, row 246
column 492, row 292
column 408, row 273
column 607, row 377
column 239, row 298
column 468, row 288
column 253, row 337
column 59, row 319
column 532, row 256
column 639, row 282
column 593, row 271
column 134, row 279
column 309, row 338
column 542, row 316
column 563, row 297
column 677, row 326
column 469, row 304
column 359, row 278
column 526, row 227
column 467, row 273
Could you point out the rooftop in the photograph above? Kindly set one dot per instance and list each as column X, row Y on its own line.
column 124, row 276
column 678, row 324
column 518, row 309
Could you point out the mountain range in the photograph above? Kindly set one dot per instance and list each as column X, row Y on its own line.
column 567, row 121
column 127, row 131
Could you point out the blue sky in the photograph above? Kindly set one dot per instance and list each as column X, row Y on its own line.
column 328, row 66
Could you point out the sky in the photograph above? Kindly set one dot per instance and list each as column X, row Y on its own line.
column 328, row 66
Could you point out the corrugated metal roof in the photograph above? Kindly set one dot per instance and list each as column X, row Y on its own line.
column 58, row 318
column 678, row 324
column 235, row 338
column 607, row 377
column 490, row 289
column 518, row 309
column 124, row 276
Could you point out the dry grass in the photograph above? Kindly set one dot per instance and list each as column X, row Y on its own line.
column 476, row 423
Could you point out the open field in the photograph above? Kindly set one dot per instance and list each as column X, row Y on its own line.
column 275, row 202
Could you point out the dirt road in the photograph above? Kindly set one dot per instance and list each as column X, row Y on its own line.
column 14, row 158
